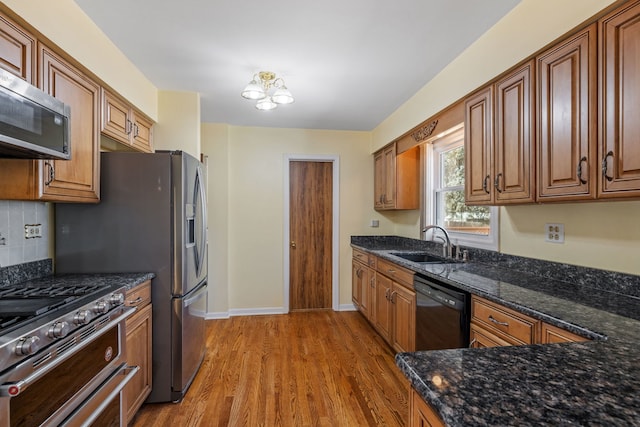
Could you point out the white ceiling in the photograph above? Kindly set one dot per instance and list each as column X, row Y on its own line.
column 348, row 63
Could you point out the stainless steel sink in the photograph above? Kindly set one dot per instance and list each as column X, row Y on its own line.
column 422, row 258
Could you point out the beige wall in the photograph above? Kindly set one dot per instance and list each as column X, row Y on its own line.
column 252, row 194
column 602, row 235
column 178, row 126
column 64, row 23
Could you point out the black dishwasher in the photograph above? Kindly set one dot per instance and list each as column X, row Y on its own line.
column 442, row 315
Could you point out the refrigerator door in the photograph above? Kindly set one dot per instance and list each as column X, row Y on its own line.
column 191, row 224
column 189, row 345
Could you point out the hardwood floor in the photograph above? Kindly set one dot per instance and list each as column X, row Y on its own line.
column 311, row 368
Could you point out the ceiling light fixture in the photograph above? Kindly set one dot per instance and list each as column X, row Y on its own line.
column 258, row 89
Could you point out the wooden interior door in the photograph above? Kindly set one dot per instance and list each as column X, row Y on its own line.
column 311, row 230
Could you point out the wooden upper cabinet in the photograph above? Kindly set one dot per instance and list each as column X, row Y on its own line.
column 499, row 141
column 17, row 50
column 77, row 179
column 396, row 176
column 478, row 147
column 122, row 123
column 74, row 180
column 567, row 141
column 619, row 150
column 514, row 154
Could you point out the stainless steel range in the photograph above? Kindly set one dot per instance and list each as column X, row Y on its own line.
column 62, row 353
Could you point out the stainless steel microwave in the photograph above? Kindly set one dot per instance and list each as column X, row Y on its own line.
column 33, row 124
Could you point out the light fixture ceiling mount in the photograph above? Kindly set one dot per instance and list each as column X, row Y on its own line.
column 259, row 87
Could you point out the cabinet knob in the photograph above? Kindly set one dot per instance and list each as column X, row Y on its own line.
column 292, row 244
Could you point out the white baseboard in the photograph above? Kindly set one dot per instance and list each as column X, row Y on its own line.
column 347, row 307
column 217, row 315
column 260, row 312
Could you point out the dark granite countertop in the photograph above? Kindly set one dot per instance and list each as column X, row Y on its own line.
column 591, row 383
column 128, row 280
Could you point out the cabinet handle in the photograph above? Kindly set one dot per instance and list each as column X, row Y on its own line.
column 392, row 294
column 472, row 342
column 604, row 166
column 52, row 173
column 136, row 131
column 579, row 171
column 359, row 273
column 496, row 183
column 373, row 282
column 129, row 127
column 497, row 322
column 386, row 294
column 135, row 301
column 390, row 271
column 484, row 184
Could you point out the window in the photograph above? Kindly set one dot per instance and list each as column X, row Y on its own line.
column 474, row 226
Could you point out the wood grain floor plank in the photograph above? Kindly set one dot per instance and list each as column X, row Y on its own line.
column 308, row 368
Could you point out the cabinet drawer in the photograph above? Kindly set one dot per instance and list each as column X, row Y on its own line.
column 363, row 257
column 513, row 326
column 552, row 334
column 139, row 296
column 397, row 273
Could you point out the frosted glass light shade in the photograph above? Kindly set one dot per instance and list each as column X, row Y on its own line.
column 282, row 96
column 253, row 91
column 266, row 104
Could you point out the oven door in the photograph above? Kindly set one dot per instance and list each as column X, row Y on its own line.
column 68, row 376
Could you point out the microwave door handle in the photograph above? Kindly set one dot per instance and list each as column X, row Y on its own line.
column 203, row 211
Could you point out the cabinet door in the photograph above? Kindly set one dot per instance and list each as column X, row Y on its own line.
column 619, row 150
column 421, row 414
column 566, row 153
column 478, row 143
column 78, row 179
column 404, row 318
column 389, row 160
column 116, row 118
column 365, row 292
column 552, row 334
column 139, row 350
column 514, row 155
column 379, row 181
column 17, row 50
column 142, row 133
column 481, row 338
column 383, row 306
column 356, row 283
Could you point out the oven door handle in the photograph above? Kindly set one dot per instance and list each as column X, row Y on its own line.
column 13, row 389
column 87, row 413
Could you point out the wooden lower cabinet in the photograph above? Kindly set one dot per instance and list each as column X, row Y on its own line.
column 361, row 282
column 499, row 323
column 552, row 334
column 395, row 311
column 139, row 348
column 421, row 414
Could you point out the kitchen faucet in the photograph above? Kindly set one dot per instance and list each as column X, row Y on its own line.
column 447, row 248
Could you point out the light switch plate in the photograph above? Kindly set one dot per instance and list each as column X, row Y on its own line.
column 554, row 233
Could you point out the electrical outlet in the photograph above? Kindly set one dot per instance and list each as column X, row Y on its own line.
column 375, row 223
column 554, row 233
column 32, row 231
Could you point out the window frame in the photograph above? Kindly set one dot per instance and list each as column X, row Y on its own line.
column 443, row 142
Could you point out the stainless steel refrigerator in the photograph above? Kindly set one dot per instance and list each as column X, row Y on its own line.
column 151, row 218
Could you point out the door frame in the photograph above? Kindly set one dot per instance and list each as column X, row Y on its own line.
column 335, row 288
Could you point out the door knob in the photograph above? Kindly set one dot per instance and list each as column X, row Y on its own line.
column 293, row 244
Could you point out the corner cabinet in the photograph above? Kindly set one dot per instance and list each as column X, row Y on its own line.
column 139, row 348
column 74, row 180
column 396, row 178
column 619, row 150
column 363, row 283
column 121, row 122
column 499, row 141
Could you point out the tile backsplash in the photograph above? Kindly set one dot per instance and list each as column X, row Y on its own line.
column 15, row 248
